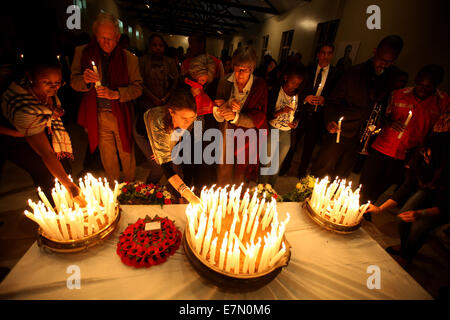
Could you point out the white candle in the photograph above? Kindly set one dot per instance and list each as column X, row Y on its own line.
column 405, row 124
column 229, row 259
column 207, row 242
column 294, row 107
column 97, row 83
column 212, row 252
column 277, row 256
column 252, row 216
column 236, row 256
column 44, row 199
column 244, row 221
column 223, row 251
column 255, row 227
column 62, row 223
column 339, row 130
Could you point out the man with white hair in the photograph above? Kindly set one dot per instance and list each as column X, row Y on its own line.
column 110, row 79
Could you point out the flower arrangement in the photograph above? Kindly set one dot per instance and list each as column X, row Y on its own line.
column 139, row 247
column 140, row 193
column 302, row 191
column 270, row 192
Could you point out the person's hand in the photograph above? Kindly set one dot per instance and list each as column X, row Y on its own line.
column 284, row 110
column 293, row 125
column 397, row 125
column 319, row 101
column 90, row 76
column 372, row 208
column 105, row 92
column 409, row 216
column 191, row 197
column 235, row 105
column 310, row 99
column 75, row 194
column 332, row 127
column 196, row 91
column 227, row 114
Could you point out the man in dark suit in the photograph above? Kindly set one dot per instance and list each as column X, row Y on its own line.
column 321, row 80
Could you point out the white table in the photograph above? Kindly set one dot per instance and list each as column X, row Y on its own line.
column 323, row 265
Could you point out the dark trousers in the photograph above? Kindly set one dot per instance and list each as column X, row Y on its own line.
column 336, row 159
column 311, row 128
column 379, row 173
column 413, row 235
column 18, row 151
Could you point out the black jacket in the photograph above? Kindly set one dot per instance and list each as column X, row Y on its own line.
column 355, row 94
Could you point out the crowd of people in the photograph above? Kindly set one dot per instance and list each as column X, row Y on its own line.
column 129, row 101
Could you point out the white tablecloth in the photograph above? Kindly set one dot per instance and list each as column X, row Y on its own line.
column 323, row 265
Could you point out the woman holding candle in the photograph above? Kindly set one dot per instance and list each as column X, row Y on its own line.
column 242, row 103
column 164, row 124
column 425, row 196
column 32, row 107
column 281, row 110
column 385, row 164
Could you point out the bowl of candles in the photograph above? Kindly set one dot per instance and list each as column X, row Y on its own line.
column 67, row 227
column 236, row 243
column 335, row 206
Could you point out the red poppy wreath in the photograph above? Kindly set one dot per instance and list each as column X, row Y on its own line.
column 139, row 248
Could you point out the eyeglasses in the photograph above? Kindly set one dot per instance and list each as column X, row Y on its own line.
column 242, row 70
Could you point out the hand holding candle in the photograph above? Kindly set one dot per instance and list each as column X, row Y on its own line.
column 339, row 130
column 406, row 123
column 94, row 67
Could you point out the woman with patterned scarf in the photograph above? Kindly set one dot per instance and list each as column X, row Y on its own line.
column 32, row 107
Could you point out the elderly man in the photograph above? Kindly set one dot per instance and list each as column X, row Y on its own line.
column 109, row 87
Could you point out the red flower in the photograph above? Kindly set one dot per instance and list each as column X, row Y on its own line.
column 124, row 190
column 159, row 195
column 275, row 195
column 151, row 185
column 138, row 189
column 167, row 201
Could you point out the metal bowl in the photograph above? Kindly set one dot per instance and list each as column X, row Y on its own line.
column 327, row 224
column 71, row 246
column 229, row 280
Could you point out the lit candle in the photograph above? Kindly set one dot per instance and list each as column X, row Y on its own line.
column 223, row 251
column 207, row 242
column 252, row 216
column 294, row 107
column 229, row 257
column 255, row 227
column 236, row 257
column 44, row 199
column 244, row 221
column 212, row 252
column 405, row 124
column 97, row 83
column 339, row 130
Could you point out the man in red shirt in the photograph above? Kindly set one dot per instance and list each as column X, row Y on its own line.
column 385, row 164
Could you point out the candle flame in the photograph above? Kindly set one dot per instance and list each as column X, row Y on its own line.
column 93, row 63
column 342, row 118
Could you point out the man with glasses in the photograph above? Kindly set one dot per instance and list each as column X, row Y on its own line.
column 110, row 79
column 353, row 98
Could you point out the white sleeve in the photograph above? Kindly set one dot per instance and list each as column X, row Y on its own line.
column 217, row 116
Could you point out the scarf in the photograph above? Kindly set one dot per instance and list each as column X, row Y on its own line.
column 29, row 116
column 202, row 100
column 118, row 77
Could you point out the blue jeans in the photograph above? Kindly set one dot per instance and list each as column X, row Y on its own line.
column 282, row 148
column 414, row 234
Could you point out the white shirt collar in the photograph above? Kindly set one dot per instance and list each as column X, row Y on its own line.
column 247, row 87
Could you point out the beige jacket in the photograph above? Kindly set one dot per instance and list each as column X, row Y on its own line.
column 131, row 92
